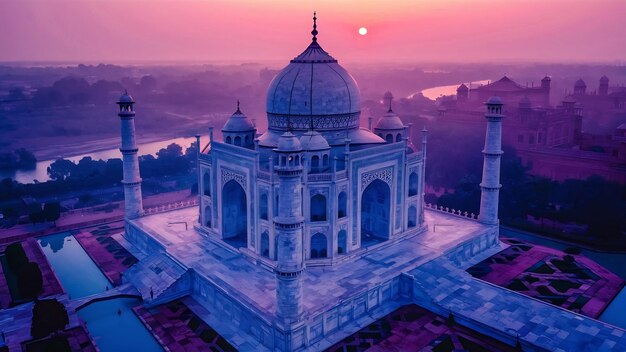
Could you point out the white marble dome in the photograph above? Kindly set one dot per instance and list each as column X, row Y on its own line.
column 126, row 98
column 313, row 90
column 313, row 141
column 288, row 142
column 495, row 100
column 238, row 122
column 390, row 121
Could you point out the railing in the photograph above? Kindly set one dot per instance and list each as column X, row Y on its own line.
column 459, row 213
column 171, row 206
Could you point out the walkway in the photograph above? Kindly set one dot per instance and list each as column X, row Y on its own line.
column 443, row 288
column 125, row 290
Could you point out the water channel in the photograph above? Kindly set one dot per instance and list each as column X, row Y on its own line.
column 112, row 323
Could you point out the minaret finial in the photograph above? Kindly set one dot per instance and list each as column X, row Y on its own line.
column 314, row 31
column 125, row 91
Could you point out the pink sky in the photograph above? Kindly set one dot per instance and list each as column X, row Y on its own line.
column 256, row 30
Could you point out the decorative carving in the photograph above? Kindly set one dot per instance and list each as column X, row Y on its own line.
column 385, row 175
column 320, row 122
column 228, row 175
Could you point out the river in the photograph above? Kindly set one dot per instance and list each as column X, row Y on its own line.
column 40, row 172
column 436, row 92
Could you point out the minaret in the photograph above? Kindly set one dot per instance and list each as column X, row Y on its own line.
column 132, row 181
column 288, row 224
column 490, row 185
column 424, row 145
column 603, row 89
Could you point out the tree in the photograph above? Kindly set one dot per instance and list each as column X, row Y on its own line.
column 15, row 256
column 52, row 211
column 29, row 280
column 49, row 316
column 60, row 169
column 35, row 214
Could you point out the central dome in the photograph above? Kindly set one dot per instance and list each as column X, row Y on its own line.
column 313, row 91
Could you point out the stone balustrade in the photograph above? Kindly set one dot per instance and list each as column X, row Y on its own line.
column 171, row 206
column 455, row 212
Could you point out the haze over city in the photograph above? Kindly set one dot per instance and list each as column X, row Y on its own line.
column 132, row 31
column 345, row 175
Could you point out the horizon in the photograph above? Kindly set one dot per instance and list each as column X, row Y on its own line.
column 404, row 32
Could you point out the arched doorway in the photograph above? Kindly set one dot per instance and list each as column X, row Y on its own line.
column 412, row 218
column 265, row 244
column 263, row 206
column 318, row 208
column 375, row 213
column 318, row 246
column 206, row 184
column 342, row 242
column 412, row 184
column 207, row 216
column 342, row 206
column 234, row 215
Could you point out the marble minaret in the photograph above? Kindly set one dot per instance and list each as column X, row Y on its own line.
column 490, row 185
column 132, row 181
column 288, row 224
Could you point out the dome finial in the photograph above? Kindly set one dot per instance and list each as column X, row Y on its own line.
column 238, row 111
column 314, row 31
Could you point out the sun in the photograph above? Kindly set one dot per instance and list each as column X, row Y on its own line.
column 362, row 31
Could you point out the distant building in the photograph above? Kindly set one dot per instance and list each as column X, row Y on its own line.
column 508, row 90
column 551, row 140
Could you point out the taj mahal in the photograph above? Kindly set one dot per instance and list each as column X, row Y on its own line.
column 315, row 228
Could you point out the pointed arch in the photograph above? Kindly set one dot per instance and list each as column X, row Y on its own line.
column 263, row 206
column 375, row 213
column 342, row 205
column 265, row 244
column 342, row 242
column 412, row 217
column 319, row 246
column 318, row 208
column 413, row 185
column 206, row 183
column 207, row 216
column 234, row 214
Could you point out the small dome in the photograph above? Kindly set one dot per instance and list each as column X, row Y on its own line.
column 313, row 141
column 546, row 78
column 390, row 121
column 494, row 100
column 238, row 122
column 580, row 83
column 288, row 142
column 525, row 102
column 462, row 88
column 126, row 98
column 604, row 79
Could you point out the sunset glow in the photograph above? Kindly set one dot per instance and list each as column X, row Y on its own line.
column 136, row 30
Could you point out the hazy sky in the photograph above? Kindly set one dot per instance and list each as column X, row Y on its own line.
column 253, row 30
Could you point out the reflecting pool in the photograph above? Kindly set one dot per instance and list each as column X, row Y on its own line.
column 112, row 323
